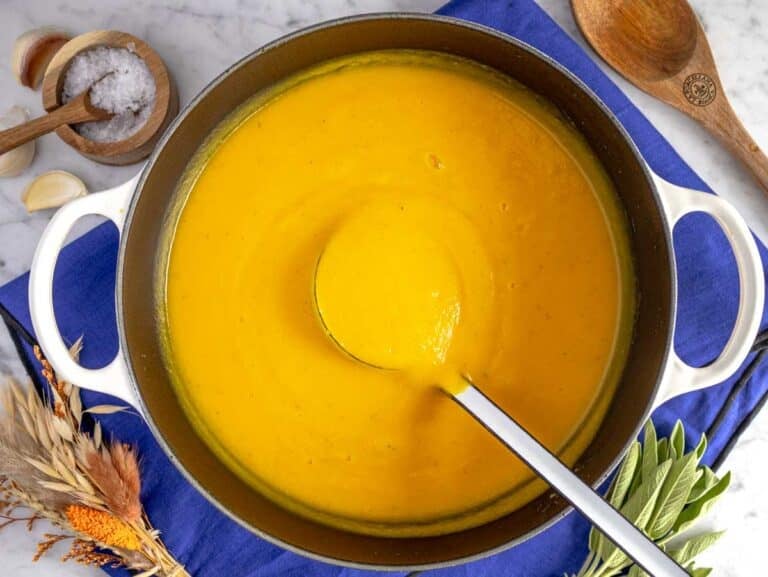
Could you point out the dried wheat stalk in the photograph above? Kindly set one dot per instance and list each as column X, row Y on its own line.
column 85, row 486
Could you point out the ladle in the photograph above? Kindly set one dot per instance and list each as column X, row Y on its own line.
column 430, row 294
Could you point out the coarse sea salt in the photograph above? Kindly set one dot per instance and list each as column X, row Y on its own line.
column 120, row 82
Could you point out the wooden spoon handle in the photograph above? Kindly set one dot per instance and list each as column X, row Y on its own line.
column 70, row 113
column 728, row 128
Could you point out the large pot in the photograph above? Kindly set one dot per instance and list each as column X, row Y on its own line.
column 138, row 375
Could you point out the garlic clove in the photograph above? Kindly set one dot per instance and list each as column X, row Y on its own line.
column 52, row 189
column 15, row 161
column 33, row 51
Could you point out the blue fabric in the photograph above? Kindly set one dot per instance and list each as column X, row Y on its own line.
column 211, row 545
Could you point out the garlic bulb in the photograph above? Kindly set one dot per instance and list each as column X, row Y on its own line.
column 33, row 51
column 52, row 189
column 15, row 161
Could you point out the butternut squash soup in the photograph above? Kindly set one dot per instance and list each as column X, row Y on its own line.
column 432, row 218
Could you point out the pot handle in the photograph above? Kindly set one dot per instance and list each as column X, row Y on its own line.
column 113, row 379
column 680, row 377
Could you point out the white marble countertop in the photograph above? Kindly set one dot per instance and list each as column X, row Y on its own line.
column 198, row 39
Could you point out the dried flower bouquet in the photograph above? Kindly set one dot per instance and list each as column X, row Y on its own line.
column 86, row 486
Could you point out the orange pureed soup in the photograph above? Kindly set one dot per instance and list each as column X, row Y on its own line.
column 468, row 189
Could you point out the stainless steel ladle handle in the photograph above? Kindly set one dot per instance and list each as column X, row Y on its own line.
column 613, row 524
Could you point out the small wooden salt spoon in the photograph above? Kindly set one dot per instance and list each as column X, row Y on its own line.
column 660, row 46
column 79, row 109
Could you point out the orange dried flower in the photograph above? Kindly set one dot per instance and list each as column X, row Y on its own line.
column 102, row 527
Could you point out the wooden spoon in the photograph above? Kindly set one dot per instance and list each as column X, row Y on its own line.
column 140, row 144
column 79, row 109
column 660, row 46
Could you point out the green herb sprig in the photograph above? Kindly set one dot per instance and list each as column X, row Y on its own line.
column 662, row 490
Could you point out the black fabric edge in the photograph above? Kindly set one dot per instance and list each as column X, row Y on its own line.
column 761, row 346
column 737, row 433
column 20, row 335
column 13, row 324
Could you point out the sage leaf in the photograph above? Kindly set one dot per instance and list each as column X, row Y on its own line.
column 662, row 500
column 650, row 457
column 701, row 448
column 698, row 571
column 694, row 546
column 663, row 449
column 677, row 439
column 699, row 475
column 703, row 504
column 594, row 539
column 704, row 483
column 597, row 541
column 673, row 495
column 638, row 510
column 623, row 479
column 639, row 507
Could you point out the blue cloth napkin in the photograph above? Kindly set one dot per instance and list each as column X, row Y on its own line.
column 211, row 545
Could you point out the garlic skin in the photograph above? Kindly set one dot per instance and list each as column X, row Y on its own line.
column 15, row 161
column 52, row 190
column 33, row 51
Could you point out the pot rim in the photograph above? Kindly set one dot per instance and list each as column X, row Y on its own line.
column 212, row 85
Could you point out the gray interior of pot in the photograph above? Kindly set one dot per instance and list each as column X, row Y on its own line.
column 261, row 69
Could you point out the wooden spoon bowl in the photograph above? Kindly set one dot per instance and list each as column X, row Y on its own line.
column 139, row 145
column 660, row 46
column 625, row 42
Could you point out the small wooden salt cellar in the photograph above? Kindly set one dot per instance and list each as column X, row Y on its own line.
column 166, row 106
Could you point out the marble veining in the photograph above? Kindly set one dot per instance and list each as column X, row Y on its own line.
column 198, row 39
